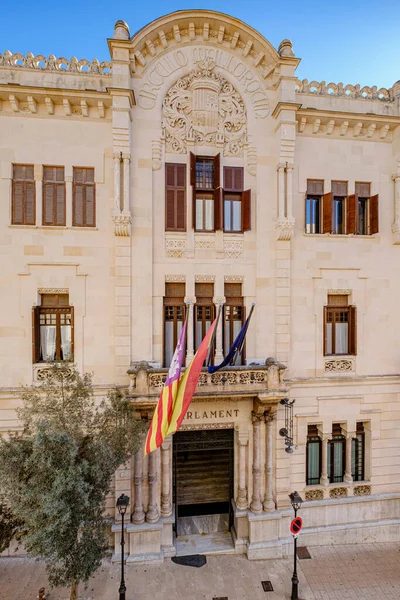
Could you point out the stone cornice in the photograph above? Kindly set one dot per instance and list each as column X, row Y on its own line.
column 285, row 106
column 123, row 92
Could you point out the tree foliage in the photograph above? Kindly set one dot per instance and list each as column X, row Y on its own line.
column 56, row 476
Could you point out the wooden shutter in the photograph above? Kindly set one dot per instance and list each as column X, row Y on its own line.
column 374, row 214
column 325, row 328
column 315, row 187
column 233, row 179
column 192, row 169
column 83, row 197
column 90, row 206
column 217, row 171
column 60, row 204
column 18, row 203
column 30, row 217
column 218, row 208
column 351, row 226
column 77, row 205
column 363, row 190
column 175, row 197
column 48, row 204
column 327, row 213
column 353, row 330
column 339, row 188
column 35, row 334
column 246, row 210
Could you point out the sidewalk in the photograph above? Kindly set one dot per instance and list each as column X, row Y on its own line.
column 345, row 572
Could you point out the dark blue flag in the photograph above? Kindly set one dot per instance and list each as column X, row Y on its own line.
column 236, row 347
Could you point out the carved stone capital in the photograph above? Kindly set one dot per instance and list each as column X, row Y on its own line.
column 242, row 437
column 269, row 416
column 126, row 156
column 117, row 155
column 280, row 166
column 284, row 228
column 396, row 233
column 289, row 166
column 190, row 300
column 122, row 224
column 257, row 419
column 218, row 300
column 395, row 176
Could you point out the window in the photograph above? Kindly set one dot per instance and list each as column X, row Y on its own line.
column 358, row 454
column 233, row 316
column 366, row 217
column 237, row 202
column 339, row 195
column 53, row 196
column 205, row 181
column 336, row 455
column 204, row 311
column 53, row 329
column 83, row 198
column 313, row 456
column 340, row 321
column 175, row 197
column 315, row 192
column 174, row 317
column 23, row 195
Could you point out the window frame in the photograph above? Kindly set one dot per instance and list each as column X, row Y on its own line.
column 54, row 184
column 56, row 309
column 24, row 183
column 176, row 302
column 313, row 438
column 336, row 439
column 232, row 302
column 84, row 185
column 342, row 198
column 359, row 470
column 314, row 192
column 351, row 310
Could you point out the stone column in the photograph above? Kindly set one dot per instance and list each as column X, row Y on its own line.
column 269, row 504
column 281, row 191
column 138, row 515
column 117, row 181
column 289, row 191
column 166, row 502
column 256, row 505
column 152, row 514
column 190, row 302
column 219, row 349
column 348, row 478
column 241, row 498
column 127, row 159
column 324, row 467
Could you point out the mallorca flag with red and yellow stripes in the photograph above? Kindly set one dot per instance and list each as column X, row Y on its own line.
column 162, row 415
column 188, row 383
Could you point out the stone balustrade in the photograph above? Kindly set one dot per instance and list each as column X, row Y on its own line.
column 321, row 88
column 51, row 63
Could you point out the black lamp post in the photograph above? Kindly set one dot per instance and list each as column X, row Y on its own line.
column 296, row 501
column 122, row 505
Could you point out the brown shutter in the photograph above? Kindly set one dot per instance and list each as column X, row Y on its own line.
column 192, row 169
column 218, row 206
column 30, row 217
column 77, row 205
column 175, row 197
column 339, row 188
column 246, row 210
column 60, row 204
column 217, row 171
column 315, row 187
column 18, row 203
column 325, row 328
column 35, row 334
column 351, row 226
column 90, row 206
column 327, row 213
column 374, row 214
column 353, row 330
column 180, row 210
column 48, row 204
column 169, row 209
column 233, row 179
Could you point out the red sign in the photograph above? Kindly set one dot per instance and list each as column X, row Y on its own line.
column 296, row 525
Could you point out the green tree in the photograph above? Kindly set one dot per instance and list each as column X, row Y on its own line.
column 57, row 474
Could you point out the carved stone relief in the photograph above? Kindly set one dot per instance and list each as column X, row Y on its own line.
column 202, row 109
column 339, row 492
column 342, row 365
column 362, row 490
column 314, row 495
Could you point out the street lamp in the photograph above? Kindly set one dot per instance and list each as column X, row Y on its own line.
column 296, row 502
column 122, row 505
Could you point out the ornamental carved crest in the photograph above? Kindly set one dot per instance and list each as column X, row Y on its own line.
column 204, row 109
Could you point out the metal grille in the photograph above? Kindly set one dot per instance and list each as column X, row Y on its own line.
column 303, row 553
column 267, row 586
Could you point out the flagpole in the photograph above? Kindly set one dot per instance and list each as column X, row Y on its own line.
column 214, row 335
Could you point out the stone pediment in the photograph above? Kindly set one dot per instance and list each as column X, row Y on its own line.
column 202, row 26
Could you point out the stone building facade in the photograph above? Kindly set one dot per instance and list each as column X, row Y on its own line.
column 193, row 170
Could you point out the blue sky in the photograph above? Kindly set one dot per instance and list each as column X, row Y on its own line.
column 353, row 41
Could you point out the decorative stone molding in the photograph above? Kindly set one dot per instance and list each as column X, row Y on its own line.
column 201, row 109
column 338, row 492
column 251, row 160
column 208, row 426
column 337, row 292
column 314, row 495
column 175, row 278
column 339, row 365
column 233, row 249
column 362, row 490
column 41, row 373
column 233, row 278
column 175, row 248
column 122, row 224
column 218, row 300
column 190, row 300
column 340, row 90
column 53, row 291
column 204, row 245
column 51, row 63
column 284, row 229
column 396, row 233
column 156, row 147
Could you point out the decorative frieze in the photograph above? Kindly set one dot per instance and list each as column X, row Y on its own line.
column 51, row 63
column 175, row 278
column 314, row 495
column 338, row 492
column 122, row 224
column 204, row 278
column 42, row 373
column 53, row 290
column 362, row 490
column 321, row 88
column 339, row 365
column 233, row 278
